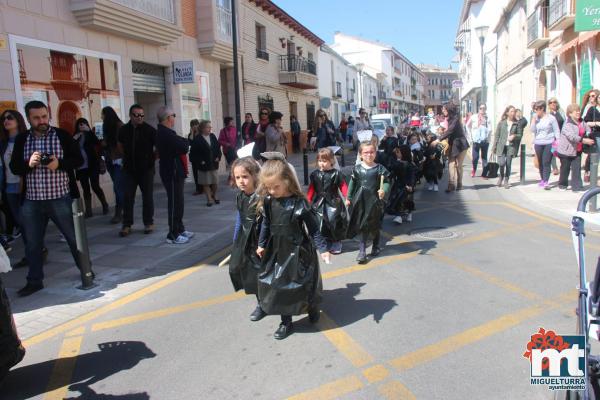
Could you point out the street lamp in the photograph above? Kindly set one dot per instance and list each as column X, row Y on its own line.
column 481, row 31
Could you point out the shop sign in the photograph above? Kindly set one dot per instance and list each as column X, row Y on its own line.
column 587, row 16
column 183, row 72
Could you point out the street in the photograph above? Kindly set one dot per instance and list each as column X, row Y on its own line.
column 445, row 312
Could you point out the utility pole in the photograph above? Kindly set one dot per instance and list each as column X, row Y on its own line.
column 236, row 74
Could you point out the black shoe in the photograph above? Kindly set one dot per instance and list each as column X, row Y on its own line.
column 257, row 314
column 17, row 358
column 375, row 251
column 217, row 201
column 21, row 263
column 314, row 314
column 284, row 331
column 361, row 258
column 30, row 289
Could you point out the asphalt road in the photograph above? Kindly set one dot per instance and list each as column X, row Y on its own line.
column 445, row 312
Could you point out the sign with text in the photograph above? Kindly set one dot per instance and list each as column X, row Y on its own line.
column 587, row 16
column 183, row 72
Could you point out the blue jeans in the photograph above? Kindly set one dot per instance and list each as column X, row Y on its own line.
column 14, row 204
column 35, row 215
column 480, row 148
column 116, row 174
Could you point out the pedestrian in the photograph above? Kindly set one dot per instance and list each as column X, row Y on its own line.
column 245, row 265
column 138, row 140
column 432, row 165
column 228, row 140
column 296, row 131
column 11, row 348
column 506, row 144
column 343, row 128
column 324, row 130
column 415, row 120
column 418, row 155
column 362, row 123
column 207, row 154
column 248, row 129
column 45, row 158
column 369, row 184
column 480, row 129
column 291, row 281
column 570, row 147
column 591, row 116
column 113, row 153
column 275, row 138
column 403, row 175
column 88, row 174
column 260, row 140
column 458, row 146
column 350, row 131
column 326, row 193
column 172, row 151
column 194, row 131
column 545, row 130
column 389, row 143
column 556, row 112
column 379, row 156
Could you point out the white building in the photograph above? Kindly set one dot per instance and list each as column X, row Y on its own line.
column 438, row 86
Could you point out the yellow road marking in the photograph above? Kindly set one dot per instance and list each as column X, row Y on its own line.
column 122, row 301
column 331, row 390
column 166, row 311
column 566, row 239
column 453, row 343
column 77, row 331
column 58, row 386
column 343, row 342
column 491, row 234
column 394, row 390
column 376, row 373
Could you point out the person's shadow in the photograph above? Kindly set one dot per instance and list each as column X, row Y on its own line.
column 343, row 307
column 90, row 368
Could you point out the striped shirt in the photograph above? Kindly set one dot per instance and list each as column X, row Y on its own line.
column 42, row 182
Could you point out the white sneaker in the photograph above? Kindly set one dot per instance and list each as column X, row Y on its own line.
column 398, row 220
column 188, row 234
column 180, row 240
column 409, row 217
column 436, row 188
column 430, row 186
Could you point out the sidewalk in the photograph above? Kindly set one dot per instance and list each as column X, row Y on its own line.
column 122, row 265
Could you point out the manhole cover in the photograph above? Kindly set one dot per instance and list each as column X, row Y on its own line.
column 437, row 232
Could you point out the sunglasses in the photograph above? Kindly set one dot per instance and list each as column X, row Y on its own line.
column 553, row 102
column 7, row 117
column 173, row 115
column 263, row 113
column 138, row 115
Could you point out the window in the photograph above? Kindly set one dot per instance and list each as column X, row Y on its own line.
column 338, row 89
column 261, row 42
column 195, row 99
column 310, row 56
column 310, row 115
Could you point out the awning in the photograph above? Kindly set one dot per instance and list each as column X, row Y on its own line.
column 583, row 37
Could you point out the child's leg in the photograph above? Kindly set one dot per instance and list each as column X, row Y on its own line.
column 362, row 252
column 376, row 249
column 258, row 312
column 285, row 328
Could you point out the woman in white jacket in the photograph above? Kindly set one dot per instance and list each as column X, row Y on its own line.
column 545, row 130
column 480, row 129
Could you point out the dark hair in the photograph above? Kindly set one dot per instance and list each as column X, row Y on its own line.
column 81, row 121
column 227, row 120
column 249, row 114
column 250, row 165
column 110, row 126
column 34, row 104
column 21, row 126
column 505, row 113
column 405, row 153
column 293, row 117
column 274, row 116
column 540, row 104
column 135, row 106
column 453, row 111
column 326, row 153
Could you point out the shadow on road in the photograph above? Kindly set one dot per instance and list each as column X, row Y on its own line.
column 90, row 368
column 342, row 304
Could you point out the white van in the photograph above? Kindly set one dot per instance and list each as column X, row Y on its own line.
column 388, row 119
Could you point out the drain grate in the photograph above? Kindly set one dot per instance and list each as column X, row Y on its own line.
column 435, row 232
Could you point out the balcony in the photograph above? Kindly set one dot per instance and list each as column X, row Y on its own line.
column 561, row 14
column 215, row 39
column 383, row 95
column 537, row 32
column 150, row 22
column 298, row 72
column 262, row 54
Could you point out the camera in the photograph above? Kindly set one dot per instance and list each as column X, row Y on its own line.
column 45, row 158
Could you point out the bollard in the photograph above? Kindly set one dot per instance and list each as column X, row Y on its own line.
column 523, row 159
column 305, row 162
column 343, row 158
column 87, row 278
column 593, row 179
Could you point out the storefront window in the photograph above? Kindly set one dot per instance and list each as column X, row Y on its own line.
column 73, row 83
column 195, row 100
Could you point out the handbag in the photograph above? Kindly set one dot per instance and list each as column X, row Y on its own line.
column 491, row 169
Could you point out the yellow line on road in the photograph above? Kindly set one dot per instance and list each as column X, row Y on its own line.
column 58, row 386
column 376, row 373
column 343, row 342
column 67, row 326
column 331, row 390
column 394, row 390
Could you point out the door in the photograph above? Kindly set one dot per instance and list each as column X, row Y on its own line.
column 68, row 113
column 291, row 52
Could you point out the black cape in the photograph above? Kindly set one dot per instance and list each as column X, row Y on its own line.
column 329, row 205
column 401, row 200
column 367, row 209
column 291, row 280
column 245, row 265
column 10, row 345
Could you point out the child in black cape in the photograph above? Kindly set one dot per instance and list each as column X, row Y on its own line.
column 291, row 281
column 368, row 185
column 432, row 166
column 326, row 193
column 245, row 265
column 403, row 172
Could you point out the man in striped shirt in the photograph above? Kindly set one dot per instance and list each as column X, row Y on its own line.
column 46, row 158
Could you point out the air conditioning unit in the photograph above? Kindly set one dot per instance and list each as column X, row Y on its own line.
column 547, row 58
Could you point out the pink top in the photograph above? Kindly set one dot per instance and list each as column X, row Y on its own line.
column 228, row 138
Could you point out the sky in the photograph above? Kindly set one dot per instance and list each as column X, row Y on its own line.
column 422, row 30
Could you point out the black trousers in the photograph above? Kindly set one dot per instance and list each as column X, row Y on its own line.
column 570, row 165
column 89, row 177
column 175, row 205
column 145, row 181
column 9, row 341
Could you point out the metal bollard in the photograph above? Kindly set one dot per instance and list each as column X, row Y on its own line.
column 343, row 158
column 83, row 250
column 593, row 179
column 523, row 159
column 305, row 162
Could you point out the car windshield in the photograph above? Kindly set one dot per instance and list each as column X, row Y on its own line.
column 378, row 125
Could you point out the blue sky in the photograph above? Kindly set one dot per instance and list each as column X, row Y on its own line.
column 422, row 30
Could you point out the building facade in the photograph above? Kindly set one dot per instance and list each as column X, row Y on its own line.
column 438, row 86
